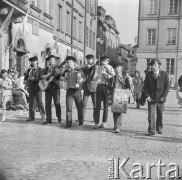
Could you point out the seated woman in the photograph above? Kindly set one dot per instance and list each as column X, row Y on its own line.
column 19, row 93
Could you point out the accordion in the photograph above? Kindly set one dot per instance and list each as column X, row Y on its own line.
column 73, row 78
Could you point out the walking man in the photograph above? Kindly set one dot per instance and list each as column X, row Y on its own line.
column 156, row 87
column 90, row 84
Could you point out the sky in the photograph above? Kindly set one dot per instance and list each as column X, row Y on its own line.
column 125, row 14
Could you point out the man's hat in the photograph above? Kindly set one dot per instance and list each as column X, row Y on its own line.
column 34, row 58
column 103, row 58
column 71, row 58
column 89, row 56
column 49, row 57
column 155, row 61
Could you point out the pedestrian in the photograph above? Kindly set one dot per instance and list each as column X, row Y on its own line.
column 121, row 81
column 74, row 78
column 5, row 89
column 103, row 91
column 90, row 84
column 53, row 89
column 131, row 86
column 137, row 88
column 32, row 77
column 171, row 83
column 156, row 87
column 179, row 92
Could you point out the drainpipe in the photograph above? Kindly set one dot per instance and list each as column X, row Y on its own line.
column 177, row 48
column 72, row 27
column 158, row 25
column 85, row 24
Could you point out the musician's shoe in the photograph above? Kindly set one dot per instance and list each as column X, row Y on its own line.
column 29, row 120
column 46, row 122
column 102, row 125
column 117, row 131
column 68, row 126
column 80, row 123
column 43, row 117
column 96, row 126
column 59, row 120
column 3, row 119
column 150, row 134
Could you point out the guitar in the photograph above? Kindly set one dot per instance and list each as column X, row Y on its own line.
column 44, row 83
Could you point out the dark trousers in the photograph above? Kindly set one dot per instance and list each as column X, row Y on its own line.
column 32, row 95
column 151, row 116
column 86, row 95
column 77, row 96
column 55, row 94
column 102, row 94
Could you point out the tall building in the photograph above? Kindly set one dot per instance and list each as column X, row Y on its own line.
column 90, row 27
column 50, row 27
column 107, row 36
column 160, row 35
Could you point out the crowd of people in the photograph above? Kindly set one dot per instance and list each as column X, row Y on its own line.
column 99, row 80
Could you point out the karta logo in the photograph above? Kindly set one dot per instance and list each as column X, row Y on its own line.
column 117, row 170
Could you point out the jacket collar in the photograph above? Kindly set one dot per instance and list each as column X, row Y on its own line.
column 159, row 75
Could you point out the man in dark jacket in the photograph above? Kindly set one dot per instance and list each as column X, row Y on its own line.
column 156, row 87
column 32, row 77
column 90, row 85
column 53, row 90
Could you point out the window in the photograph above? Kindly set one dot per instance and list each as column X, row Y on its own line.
column 171, row 36
column 80, row 31
column 148, row 63
column 93, row 45
column 35, row 3
column 68, row 22
column 90, row 39
column 170, row 66
column 46, row 7
column 74, row 27
column 86, row 36
column 151, row 34
column 60, row 17
column 173, row 6
column 152, row 9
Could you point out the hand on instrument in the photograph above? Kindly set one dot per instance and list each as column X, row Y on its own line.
column 148, row 99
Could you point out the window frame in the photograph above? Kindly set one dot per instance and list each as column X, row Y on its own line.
column 170, row 65
column 152, row 7
column 173, row 10
column 151, row 39
column 60, row 20
column 68, row 22
column 171, row 41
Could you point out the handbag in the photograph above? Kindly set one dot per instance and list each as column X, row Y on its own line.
column 120, row 101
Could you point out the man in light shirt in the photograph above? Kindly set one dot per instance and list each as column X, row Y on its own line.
column 103, row 92
column 156, row 88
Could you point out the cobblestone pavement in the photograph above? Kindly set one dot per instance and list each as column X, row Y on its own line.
column 31, row 151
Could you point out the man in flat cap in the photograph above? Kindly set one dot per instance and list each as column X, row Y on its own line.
column 52, row 74
column 32, row 77
column 156, row 88
column 74, row 78
column 103, row 91
column 90, row 83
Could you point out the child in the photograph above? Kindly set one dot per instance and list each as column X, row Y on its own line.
column 6, row 86
column 121, row 81
column 103, row 91
column 73, row 90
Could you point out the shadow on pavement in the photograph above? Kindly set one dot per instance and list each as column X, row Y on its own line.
column 175, row 125
column 160, row 138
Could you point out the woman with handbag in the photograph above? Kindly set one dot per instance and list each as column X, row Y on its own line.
column 121, row 82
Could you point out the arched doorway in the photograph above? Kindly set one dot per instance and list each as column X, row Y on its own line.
column 21, row 54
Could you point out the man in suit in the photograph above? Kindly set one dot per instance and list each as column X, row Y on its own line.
column 156, row 87
column 32, row 77
column 53, row 90
column 90, row 84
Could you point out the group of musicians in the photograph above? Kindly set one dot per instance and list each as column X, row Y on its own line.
column 86, row 79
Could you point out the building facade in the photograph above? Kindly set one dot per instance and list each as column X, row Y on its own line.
column 107, row 36
column 11, row 11
column 90, row 27
column 160, row 35
column 50, row 27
